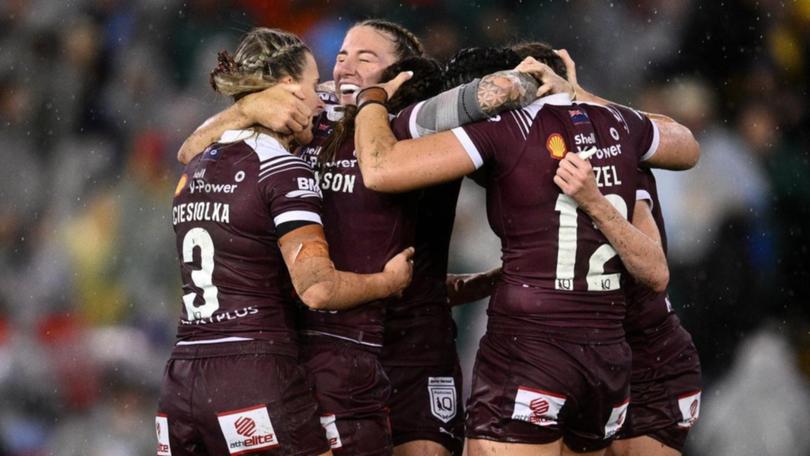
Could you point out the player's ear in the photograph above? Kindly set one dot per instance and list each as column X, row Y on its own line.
column 286, row 80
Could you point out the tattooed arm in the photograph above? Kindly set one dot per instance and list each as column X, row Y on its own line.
column 490, row 95
column 321, row 286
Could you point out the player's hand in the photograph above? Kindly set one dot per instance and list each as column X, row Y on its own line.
column 576, row 179
column 394, row 84
column 466, row 288
column 571, row 69
column 400, row 270
column 550, row 82
column 280, row 108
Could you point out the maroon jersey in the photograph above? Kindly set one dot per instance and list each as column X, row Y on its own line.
column 646, row 309
column 364, row 230
column 419, row 328
column 654, row 331
column 232, row 204
column 548, row 244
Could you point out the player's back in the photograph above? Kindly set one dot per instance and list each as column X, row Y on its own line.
column 227, row 208
column 561, row 269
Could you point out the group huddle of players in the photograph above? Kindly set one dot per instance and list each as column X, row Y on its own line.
column 313, row 225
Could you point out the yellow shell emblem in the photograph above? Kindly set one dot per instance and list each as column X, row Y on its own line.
column 556, row 146
column 181, row 184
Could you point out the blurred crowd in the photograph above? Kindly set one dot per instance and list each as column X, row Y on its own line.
column 97, row 95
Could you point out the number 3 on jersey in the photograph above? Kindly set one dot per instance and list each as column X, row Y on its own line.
column 202, row 278
column 567, row 249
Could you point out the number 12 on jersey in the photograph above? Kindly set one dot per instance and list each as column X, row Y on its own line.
column 567, row 246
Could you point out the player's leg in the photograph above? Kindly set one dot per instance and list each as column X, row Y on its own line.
column 421, row 448
column 426, row 416
column 595, row 418
column 519, row 390
column 176, row 432
column 641, row 446
column 268, row 408
column 483, row 447
column 665, row 396
column 352, row 391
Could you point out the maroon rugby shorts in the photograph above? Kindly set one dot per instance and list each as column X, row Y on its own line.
column 236, row 398
column 538, row 390
column 352, row 392
column 664, row 392
column 425, row 404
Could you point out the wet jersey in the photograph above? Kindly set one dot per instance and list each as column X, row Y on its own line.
column 364, row 230
column 548, row 243
column 419, row 328
column 647, row 310
column 232, row 204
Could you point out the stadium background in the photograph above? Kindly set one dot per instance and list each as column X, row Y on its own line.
column 97, row 95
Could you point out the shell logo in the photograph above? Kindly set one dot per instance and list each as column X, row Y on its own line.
column 181, row 184
column 556, row 146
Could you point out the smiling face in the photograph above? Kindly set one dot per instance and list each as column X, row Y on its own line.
column 365, row 53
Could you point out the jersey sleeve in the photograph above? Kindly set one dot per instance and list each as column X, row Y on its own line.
column 483, row 140
column 291, row 192
column 643, row 131
column 644, row 187
column 404, row 124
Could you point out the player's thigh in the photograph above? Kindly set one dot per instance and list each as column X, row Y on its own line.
column 641, row 446
column 484, row 447
column 421, row 448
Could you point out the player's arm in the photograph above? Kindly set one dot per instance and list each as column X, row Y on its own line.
column 279, row 108
column 320, row 286
column 677, row 147
column 486, row 97
column 467, row 288
column 389, row 165
column 638, row 244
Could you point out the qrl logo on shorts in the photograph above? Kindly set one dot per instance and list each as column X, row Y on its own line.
column 690, row 409
column 247, row 430
column 616, row 420
column 332, row 434
column 442, row 391
column 162, row 430
column 537, row 406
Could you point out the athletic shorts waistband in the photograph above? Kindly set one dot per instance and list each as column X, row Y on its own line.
column 231, row 348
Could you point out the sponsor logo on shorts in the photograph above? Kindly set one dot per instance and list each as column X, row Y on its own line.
column 690, row 409
column 617, row 418
column 162, row 430
column 247, row 430
column 442, row 392
column 332, row 434
column 537, row 406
